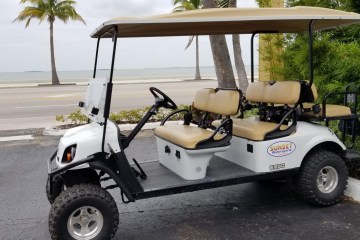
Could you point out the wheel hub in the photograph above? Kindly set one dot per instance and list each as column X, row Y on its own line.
column 85, row 223
column 327, row 179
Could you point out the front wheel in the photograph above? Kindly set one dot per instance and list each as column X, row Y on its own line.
column 322, row 178
column 83, row 212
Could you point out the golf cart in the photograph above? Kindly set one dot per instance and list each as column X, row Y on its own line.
column 290, row 137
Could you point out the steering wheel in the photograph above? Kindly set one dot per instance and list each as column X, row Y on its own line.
column 163, row 100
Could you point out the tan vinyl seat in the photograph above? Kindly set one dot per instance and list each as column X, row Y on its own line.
column 331, row 110
column 184, row 135
column 251, row 129
column 220, row 101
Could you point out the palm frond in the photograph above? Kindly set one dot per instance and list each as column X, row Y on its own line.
column 197, row 4
column 186, row 5
column 63, row 3
column 191, row 39
column 189, row 6
column 29, row 12
column 34, row 2
column 176, row 2
column 65, row 11
column 28, row 22
column 49, row 9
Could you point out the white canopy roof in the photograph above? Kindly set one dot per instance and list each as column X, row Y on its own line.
column 227, row 21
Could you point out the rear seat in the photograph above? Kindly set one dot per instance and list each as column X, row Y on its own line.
column 220, row 101
column 284, row 93
column 331, row 110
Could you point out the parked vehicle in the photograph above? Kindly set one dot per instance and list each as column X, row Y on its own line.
column 286, row 139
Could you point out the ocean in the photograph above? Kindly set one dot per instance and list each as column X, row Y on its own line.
column 120, row 74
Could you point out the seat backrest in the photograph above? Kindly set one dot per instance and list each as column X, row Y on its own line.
column 308, row 94
column 314, row 92
column 282, row 92
column 220, row 101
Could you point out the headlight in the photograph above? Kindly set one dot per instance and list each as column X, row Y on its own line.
column 69, row 154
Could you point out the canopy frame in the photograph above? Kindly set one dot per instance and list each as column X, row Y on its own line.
column 111, row 29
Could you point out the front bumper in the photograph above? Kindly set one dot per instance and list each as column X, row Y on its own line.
column 51, row 169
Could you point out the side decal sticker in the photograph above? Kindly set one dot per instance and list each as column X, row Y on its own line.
column 281, row 149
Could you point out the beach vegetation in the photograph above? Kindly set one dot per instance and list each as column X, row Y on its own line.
column 188, row 5
column 121, row 117
column 49, row 10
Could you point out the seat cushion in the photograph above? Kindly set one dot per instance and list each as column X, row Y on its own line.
column 331, row 110
column 184, row 135
column 250, row 128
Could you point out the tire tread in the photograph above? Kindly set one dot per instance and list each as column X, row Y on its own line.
column 304, row 180
column 74, row 193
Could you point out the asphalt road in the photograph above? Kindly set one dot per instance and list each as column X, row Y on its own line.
column 36, row 107
column 248, row 211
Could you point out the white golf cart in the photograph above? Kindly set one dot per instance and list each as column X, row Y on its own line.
column 286, row 139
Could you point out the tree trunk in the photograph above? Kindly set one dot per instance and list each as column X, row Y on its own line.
column 239, row 63
column 197, row 73
column 54, row 76
column 220, row 52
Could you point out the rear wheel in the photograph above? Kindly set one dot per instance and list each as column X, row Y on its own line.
column 83, row 212
column 322, row 178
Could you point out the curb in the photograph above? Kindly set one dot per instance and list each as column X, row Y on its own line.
column 353, row 189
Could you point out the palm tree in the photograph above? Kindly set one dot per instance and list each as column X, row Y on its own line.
column 239, row 63
column 220, row 52
column 50, row 10
column 188, row 5
column 221, row 56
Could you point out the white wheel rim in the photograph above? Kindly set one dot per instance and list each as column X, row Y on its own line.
column 327, row 179
column 85, row 223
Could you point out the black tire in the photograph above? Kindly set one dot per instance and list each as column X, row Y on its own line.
column 83, row 196
column 331, row 184
column 57, row 188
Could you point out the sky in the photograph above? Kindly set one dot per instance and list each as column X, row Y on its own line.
column 28, row 49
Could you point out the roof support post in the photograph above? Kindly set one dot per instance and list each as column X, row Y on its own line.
column 96, row 56
column 109, row 88
column 311, row 49
column 252, row 56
